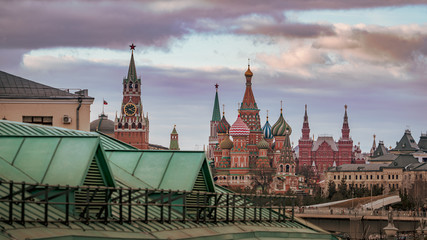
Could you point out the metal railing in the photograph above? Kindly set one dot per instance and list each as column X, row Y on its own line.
column 43, row 203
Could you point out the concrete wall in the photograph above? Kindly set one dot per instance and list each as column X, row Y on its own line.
column 15, row 109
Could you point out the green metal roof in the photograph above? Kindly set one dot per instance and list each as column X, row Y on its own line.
column 176, row 170
column 33, row 153
column 109, row 143
column 216, row 115
column 48, row 155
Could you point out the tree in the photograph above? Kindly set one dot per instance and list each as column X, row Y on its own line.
column 342, row 188
column 262, row 179
column 332, row 189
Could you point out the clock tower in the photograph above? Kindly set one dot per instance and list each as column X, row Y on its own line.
column 132, row 126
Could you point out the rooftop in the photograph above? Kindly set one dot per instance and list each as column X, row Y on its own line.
column 14, row 87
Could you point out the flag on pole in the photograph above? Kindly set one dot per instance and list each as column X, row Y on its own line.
column 105, row 102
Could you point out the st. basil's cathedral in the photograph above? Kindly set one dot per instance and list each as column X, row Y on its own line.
column 260, row 158
column 256, row 153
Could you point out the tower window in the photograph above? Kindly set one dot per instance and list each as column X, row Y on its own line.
column 130, row 85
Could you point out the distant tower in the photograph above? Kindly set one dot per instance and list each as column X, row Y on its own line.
column 132, row 127
column 373, row 148
column 216, row 118
column 305, row 144
column 345, row 144
column 174, row 140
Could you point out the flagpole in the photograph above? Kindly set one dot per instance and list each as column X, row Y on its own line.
column 103, row 103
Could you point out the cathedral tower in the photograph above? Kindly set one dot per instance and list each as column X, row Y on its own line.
column 249, row 113
column 132, row 126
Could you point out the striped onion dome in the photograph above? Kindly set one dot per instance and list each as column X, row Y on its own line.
column 262, row 144
column 267, row 130
column 226, row 143
column 239, row 128
column 223, row 125
column 281, row 128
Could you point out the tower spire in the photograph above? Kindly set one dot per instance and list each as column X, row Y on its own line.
column 345, row 128
column 305, row 126
column 132, row 69
column 216, row 114
column 248, row 98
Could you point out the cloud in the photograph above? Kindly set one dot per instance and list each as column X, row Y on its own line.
column 41, row 24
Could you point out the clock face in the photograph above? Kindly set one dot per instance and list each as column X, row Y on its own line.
column 130, row 109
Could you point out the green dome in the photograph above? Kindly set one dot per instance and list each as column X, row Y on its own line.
column 263, row 144
column 281, row 128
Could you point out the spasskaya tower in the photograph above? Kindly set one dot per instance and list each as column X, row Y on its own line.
column 132, row 126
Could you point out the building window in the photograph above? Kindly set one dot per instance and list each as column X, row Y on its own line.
column 43, row 120
column 335, row 177
column 356, row 177
column 349, row 177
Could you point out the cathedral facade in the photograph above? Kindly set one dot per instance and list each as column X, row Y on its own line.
column 132, row 126
column 256, row 158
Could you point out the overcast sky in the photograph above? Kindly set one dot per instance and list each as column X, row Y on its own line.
column 368, row 54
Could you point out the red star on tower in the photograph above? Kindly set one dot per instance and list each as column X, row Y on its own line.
column 132, row 47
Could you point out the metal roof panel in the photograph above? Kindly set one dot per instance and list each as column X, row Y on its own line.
column 9, row 146
column 182, row 171
column 71, row 161
column 126, row 160
column 152, row 167
column 12, row 173
column 35, row 155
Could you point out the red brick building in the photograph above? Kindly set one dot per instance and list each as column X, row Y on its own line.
column 325, row 152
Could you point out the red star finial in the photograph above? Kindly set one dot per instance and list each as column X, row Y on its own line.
column 132, row 47
column 216, row 86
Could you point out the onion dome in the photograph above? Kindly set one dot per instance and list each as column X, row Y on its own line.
column 267, row 130
column 262, row 144
column 226, row 143
column 281, row 128
column 248, row 72
column 239, row 128
column 223, row 126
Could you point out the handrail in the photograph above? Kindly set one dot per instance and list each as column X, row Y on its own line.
column 118, row 204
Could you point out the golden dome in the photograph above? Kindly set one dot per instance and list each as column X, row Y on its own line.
column 249, row 73
column 226, row 143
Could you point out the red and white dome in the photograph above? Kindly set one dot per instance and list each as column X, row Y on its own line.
column 239, row 128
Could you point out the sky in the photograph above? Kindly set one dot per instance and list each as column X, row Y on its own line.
column 368, row 54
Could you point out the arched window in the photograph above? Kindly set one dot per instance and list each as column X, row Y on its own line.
column 136, row 86
column 120, row 125
column 130, row 85
column 139, row 125
column 287, row 168
column 133, row 125
column 281, row 168
column 126, row 125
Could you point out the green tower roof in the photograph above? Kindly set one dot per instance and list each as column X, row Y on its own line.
column 216, row 115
